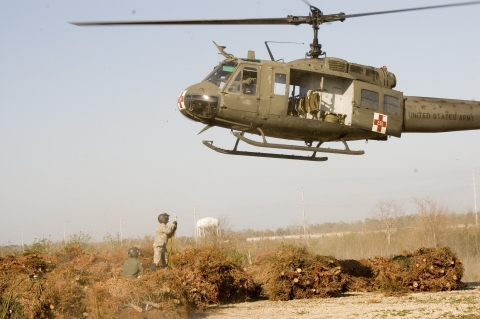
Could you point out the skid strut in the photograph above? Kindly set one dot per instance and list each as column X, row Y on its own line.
column 297, row 147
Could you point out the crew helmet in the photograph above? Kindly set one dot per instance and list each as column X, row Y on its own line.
column 163, row 218
column 133, row 252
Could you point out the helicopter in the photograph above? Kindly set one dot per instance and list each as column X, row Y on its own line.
column 315, row 99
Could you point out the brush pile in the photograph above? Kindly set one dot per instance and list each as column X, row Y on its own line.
column 360, row 275
column 426, row 269
column 294, row 273
column 73, row 284
column 21, row 281
column 211, row 277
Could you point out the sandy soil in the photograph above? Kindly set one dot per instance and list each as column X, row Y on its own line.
column 463, row 304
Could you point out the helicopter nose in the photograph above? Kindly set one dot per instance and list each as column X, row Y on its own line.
column 199, row 105
column 181, row 100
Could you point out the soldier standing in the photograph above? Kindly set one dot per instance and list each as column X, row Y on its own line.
column 164, row 232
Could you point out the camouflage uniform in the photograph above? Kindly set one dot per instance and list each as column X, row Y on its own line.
column 132, row 268
column 164, row 232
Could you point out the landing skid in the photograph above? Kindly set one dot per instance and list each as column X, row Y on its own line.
column 315, row 150
column 209, row 144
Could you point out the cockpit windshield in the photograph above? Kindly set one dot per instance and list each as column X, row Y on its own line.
column 222, row 73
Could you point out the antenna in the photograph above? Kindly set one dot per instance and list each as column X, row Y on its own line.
column 270, row 52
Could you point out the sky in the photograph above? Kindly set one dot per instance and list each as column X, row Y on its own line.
column 91, row 139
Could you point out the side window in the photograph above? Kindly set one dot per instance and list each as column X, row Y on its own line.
column 245, row 82
column 280, row 85
column 236, row 85
column 391, row 105
column 370, row 100
column 221, row 74
column 249, row 81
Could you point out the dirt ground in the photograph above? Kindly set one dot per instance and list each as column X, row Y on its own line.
column 463, row 304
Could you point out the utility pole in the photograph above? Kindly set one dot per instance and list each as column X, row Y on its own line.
column 23, row 247
column 475, row 198
column 303, row 208
column 195, row 222
column 121, row 239
column 65, row 231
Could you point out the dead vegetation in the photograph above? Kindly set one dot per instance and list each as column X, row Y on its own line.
column 294, row 273
column 212, row 277
column 426, row 269
column 74, row 284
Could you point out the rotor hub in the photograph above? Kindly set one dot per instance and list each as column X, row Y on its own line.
column 316, row 18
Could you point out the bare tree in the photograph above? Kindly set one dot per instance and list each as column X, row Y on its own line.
column 432, row 217
column 388, row 213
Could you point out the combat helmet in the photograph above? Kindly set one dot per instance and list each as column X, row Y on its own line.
column 163, row 218
column 133, row 252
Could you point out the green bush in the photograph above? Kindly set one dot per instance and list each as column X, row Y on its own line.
column 79, row 239
column 42, row 246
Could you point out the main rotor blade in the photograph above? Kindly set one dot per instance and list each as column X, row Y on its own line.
column 289, row 20
column 412, row 9
column 272, row 21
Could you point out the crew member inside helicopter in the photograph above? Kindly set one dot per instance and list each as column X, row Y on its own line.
column 247, row 84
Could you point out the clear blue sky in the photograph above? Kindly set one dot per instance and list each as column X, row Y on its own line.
column 90, row 131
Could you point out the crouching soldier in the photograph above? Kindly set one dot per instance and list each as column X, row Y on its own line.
column 164, row 232
column 132, row 267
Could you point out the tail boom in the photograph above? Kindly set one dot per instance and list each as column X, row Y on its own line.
column 431, row 115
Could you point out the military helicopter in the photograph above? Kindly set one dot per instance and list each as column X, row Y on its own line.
column 316, row 99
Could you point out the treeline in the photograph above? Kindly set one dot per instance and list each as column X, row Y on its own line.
column 374, row 237
column 368, row 224
column 388, row 232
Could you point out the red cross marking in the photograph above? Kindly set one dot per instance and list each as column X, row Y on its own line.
column 380, row 123
column 181, row 98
